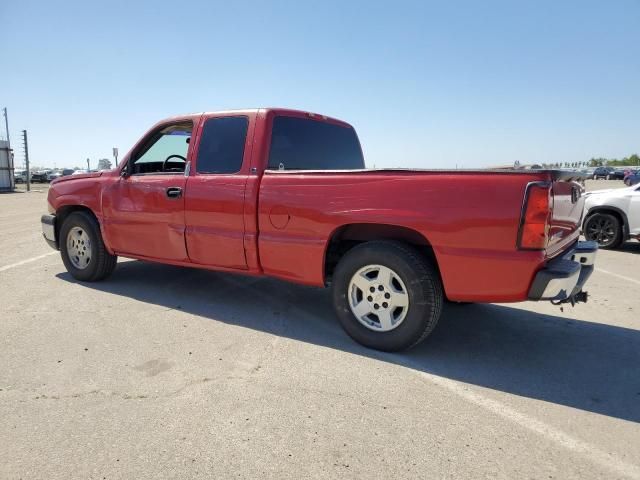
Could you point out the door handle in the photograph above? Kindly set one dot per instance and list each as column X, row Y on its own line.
column 174, row 192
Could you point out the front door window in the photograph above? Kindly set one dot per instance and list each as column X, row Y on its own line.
column 165, row 152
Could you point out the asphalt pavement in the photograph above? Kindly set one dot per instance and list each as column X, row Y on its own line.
column 169, row 372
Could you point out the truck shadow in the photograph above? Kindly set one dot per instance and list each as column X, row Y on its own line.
column 580, row 364
column 630, row 247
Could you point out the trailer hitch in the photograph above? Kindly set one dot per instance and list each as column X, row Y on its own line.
column 578, row 297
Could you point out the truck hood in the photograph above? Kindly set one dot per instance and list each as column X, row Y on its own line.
column 76, row 177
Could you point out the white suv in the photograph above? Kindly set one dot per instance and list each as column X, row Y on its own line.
column 612, row 216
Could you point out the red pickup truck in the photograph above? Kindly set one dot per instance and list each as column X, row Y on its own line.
column 286, row 194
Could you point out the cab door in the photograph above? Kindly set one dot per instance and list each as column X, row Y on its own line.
column 144, row 209
column 215, row 195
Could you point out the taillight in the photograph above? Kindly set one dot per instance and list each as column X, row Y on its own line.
column 534, row 227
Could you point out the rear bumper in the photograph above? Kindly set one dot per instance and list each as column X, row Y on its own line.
column 49, row 230
column 564, row 277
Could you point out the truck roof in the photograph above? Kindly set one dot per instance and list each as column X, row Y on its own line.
column 247, row 111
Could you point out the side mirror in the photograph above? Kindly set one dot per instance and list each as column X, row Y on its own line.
column 124, row 173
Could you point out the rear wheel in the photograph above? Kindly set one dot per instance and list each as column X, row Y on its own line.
column 605, row 229
column 387, row 296
column 83, row 252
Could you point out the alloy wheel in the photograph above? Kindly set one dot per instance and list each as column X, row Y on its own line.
column 378, row 298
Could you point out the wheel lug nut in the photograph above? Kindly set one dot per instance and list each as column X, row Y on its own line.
column 376, row 306
column 381, row 288
column 385, row 304
column 372, row 289
column 387, row 296
column 370, row 298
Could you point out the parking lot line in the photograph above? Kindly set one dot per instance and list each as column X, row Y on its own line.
column 28, row 260
column 555, row 435
column 560, row 438
column 622, row 277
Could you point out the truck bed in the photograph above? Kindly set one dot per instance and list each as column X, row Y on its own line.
column 469, row 219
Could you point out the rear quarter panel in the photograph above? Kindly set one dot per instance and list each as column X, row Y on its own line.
column 470, row 220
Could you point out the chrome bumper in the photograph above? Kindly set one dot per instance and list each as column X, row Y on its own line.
column 564, row 277
column 49, row 230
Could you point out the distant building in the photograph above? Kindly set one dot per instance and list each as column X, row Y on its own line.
column 6, row 167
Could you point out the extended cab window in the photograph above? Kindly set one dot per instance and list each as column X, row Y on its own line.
column 222, row 145
column 305, row 144
column 165, row 151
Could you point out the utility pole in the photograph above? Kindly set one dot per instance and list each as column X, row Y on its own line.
column 26, row 159
column 6, row 126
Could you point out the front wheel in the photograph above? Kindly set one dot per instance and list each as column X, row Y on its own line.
column 603, row 228
column 387, row 296
column 83, row 252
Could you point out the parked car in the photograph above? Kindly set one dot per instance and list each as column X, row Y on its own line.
column 618, row 173
column 60, row 173
column 54, row 174
column 603, row 172
column 285, row 193
column 632, row 178
column 79, row 172
column 612, row 216
column 39, row 177
column 19, row 176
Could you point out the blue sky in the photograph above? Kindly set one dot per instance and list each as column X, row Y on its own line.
column 426, row 84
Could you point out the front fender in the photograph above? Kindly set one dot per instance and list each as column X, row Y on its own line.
column 82, row 193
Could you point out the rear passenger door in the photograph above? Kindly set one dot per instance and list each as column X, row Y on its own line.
column 214, row 200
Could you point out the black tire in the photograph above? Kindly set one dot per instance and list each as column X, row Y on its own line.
column 423, row 286
column 101, row 263
column 605, row 229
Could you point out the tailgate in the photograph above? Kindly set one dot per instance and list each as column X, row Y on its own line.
column 568, row 204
